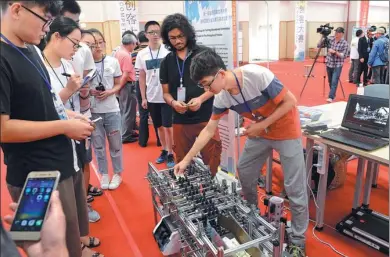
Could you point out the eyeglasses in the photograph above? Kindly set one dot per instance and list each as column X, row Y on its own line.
column 209, row 85
column 101, row 43
column 154, row 33
column 76, row 46
column 47, row 22
column 179, row 37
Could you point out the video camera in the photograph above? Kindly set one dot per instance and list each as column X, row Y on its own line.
column 325, row 30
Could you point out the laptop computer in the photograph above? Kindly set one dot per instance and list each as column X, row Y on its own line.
column 365, row 124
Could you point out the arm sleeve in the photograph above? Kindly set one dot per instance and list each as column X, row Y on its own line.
column 344, row 49
column 138, row 63
column 164, row 71
column 89, row 63
column 275, row 91
column 219, row 108
column 117, row 69
column 360, row 48
column 371, row 58
column 5, row 91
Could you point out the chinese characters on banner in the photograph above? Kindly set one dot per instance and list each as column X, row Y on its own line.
column 364, row 7
column 128, row 16
column 300, row 30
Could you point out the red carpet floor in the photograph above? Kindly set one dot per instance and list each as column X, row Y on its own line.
column 126, row 224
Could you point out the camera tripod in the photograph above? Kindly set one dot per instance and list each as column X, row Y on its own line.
column 324, row 45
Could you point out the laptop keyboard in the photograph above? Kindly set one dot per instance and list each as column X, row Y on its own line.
column 354, row 139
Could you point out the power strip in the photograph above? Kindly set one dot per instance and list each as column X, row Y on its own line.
column 321, row 149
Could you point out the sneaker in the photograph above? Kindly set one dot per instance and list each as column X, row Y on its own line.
column 163, row 157
column 93, row 215
column 170, row 161
column 296, row 251
column 115, row 182
column 104, row 182
column 329, row 100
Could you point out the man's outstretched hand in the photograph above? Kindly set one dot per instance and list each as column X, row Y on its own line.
column 180, row 168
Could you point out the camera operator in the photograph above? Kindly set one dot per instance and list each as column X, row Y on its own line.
column 337, row 52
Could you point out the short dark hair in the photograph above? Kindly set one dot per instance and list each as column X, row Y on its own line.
column 63, row 25
column 150, row 23
column 383, row 28
column 178, row 21
column 127, row 32
column 142, row 37
column 359, row 32
column 96, row 31
column 206, row 63
column 50, row 6
column 70, row 6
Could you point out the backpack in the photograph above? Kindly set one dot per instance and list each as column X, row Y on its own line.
column 384, row 56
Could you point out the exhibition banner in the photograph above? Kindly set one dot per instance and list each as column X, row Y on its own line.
column 215, row 26
column 364, row 8
column 128, row 16
column 300, row 30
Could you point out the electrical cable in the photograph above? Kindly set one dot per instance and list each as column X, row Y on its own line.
column 315, row 203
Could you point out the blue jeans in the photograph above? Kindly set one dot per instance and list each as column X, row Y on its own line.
column 110, row 127
column 333, row 78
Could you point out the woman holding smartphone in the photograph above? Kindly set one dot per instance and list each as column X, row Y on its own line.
column 104, row 87
column 62, row 43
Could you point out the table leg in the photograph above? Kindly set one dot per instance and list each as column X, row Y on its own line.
column 368, row 183
column 376, row 174
column 268, row 179
column 309, row 162
column 359, row 182
column 321, row 193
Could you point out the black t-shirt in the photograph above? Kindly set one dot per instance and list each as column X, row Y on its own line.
column 169, row 74
column 24, row 95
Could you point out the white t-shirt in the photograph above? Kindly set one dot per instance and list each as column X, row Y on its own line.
column 112, row 70
column 56, row 86
column 151, row 66
column 354, row 55
column 83, row 60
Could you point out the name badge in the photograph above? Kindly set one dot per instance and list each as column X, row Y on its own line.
column 181, row 94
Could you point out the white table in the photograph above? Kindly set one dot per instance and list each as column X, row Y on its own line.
column 334, row 112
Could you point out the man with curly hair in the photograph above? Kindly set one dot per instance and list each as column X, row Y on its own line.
column 192, row 106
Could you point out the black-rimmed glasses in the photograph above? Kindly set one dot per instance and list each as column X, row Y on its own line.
column 212, row 81
column 47, row 22
column 154, row 33
column 76, row 46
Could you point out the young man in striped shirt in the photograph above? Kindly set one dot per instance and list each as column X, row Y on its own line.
column 254, row 92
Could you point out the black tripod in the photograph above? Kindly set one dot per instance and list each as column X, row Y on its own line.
column 324, row 45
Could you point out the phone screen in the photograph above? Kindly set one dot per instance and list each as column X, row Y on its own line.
column 33, row 204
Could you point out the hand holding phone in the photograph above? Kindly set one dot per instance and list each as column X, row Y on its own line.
column 33, row 206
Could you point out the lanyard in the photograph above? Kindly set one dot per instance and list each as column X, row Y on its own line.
column 55, row 73
column 151, row 54
column 40, row 70
column 243, row 97
column 181, row 70
column 101, row 73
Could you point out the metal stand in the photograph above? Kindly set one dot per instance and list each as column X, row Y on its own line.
column 325, row 44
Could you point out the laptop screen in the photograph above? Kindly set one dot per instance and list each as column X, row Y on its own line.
column 367, row 114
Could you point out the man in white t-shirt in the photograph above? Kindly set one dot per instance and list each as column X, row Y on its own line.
column 148, row 63
column 354, row 56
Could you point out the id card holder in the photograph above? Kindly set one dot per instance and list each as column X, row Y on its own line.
column 181, row 94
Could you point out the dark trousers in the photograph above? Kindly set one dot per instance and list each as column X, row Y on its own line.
column 128, row 106
column 143, row 121
column 363, row 68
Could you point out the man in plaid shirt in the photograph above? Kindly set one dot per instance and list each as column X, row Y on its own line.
column 337, row 52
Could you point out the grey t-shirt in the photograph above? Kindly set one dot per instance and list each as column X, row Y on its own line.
column 8, row 247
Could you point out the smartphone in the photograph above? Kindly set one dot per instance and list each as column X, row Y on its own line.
column 33, row 205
